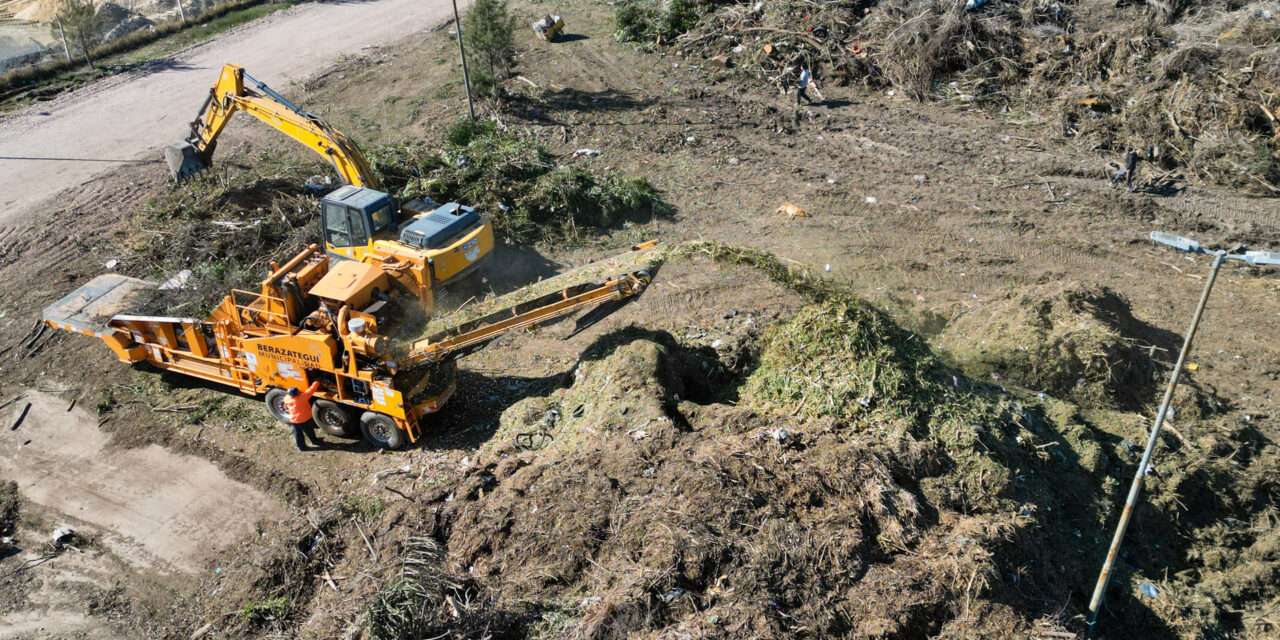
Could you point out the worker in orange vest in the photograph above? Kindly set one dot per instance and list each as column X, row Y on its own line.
column 297, row 405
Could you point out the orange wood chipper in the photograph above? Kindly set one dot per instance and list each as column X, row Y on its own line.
column 315, row 319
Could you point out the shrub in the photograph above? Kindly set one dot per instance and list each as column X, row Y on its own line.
column 488, row 34
column 527, row 196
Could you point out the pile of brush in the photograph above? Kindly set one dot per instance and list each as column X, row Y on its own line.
column 1191, row 86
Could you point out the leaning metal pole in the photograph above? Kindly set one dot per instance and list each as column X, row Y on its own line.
column 1095, row 604
column 466, row 76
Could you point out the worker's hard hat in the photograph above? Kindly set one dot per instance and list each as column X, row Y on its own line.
column 293, row 392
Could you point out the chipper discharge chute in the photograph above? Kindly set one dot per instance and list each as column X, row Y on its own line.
column 316, row 320
column 437, row 244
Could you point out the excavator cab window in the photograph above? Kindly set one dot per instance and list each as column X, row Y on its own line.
column 337, row 228
column 383, row 217
column 353, row 215
column 359, row 230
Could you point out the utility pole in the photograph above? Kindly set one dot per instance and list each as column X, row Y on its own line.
column 466, row 76
column 1254, row 258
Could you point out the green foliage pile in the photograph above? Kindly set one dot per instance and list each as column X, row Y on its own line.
column 264, row 611
column 881, row 371
column 657, row 22
column 225, row 227
column 1073, row 341
column 989, row 452
column 517, row 183
column 424, row 602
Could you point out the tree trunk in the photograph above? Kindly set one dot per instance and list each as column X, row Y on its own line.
column 63, row 35
column 84, row 48
column 182, row 15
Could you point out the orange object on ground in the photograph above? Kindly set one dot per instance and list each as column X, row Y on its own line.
column 299, row 407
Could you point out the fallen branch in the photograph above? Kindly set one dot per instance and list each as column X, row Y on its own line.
column 372, row 554
column 386, row 473
column 177, row 408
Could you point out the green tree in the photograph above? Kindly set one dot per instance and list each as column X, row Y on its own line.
column 487, row 32
column 76, row 22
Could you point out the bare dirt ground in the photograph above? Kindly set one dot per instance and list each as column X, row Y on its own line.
column 155, row 509
column 937, row 214
column 57, row 145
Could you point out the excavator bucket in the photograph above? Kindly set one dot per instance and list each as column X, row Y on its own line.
column 183, row 160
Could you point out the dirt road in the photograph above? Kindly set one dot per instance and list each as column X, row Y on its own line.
column 151, row 507
column 53, row 146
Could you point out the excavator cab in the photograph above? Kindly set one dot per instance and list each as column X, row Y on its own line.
column 353, row 217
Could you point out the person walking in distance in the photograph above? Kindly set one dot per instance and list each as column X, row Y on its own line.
column 802, row 88
column 297, row 406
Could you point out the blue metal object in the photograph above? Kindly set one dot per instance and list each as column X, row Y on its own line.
column 1261, row 257
column 1177, row 242
column 435, row 229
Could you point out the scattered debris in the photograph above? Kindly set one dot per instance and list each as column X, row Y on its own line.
column 792, row 211
column 548, row 27
column 176, row 281
column 386, row 473
column 62, row 537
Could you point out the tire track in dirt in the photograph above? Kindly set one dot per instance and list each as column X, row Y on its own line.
column 150, row 506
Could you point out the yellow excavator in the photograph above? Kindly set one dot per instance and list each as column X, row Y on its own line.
column 421, row 245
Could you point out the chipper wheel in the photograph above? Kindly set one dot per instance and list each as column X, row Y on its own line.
column 334, row 418
column 275, row 405
column 381, row 431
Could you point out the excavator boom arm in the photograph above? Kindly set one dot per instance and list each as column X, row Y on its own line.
column 238, row 91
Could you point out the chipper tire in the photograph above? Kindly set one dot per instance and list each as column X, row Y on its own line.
column 334, row 418
column 381, row 431
column 275, row 405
